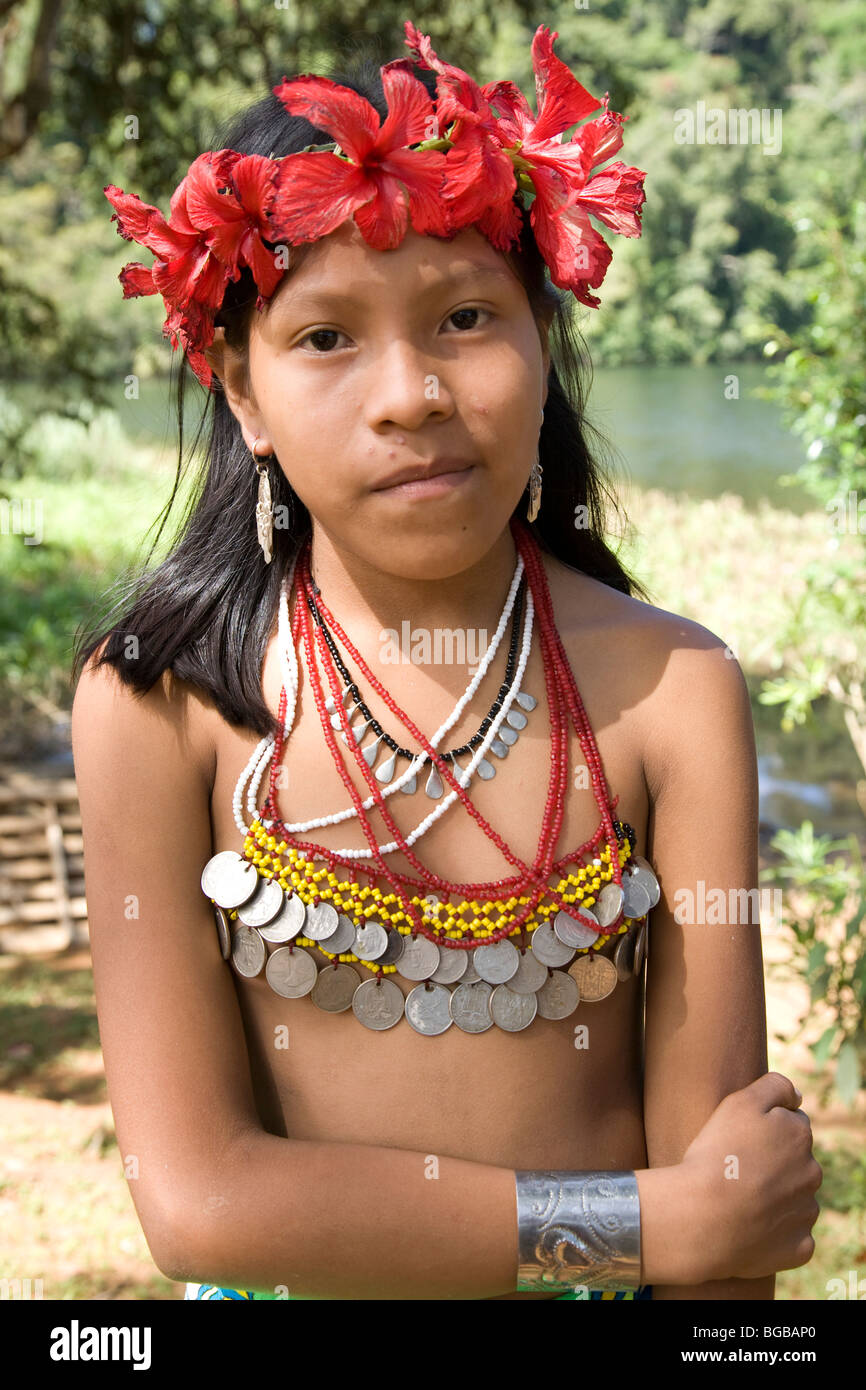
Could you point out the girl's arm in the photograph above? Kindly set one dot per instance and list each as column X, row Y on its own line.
column 705, row 1010
column 222, row 1201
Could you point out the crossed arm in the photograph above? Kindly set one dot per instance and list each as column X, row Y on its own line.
column 705, row 1027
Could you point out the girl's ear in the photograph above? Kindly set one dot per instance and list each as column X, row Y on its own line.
column 230, row 367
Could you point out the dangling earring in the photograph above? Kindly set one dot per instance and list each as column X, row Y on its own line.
column 535, row 484
column 264, row 510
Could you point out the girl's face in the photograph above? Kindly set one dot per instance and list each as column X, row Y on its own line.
column 367, row 363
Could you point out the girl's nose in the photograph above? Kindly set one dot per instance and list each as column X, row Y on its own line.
column 406, row 387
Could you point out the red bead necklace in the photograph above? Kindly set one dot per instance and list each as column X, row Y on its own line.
column 563, row 701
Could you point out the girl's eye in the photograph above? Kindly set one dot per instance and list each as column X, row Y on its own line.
column 468, row 317
column 322, row 339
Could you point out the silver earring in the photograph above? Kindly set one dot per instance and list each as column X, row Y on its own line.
column 535, row 484
column 264, row 508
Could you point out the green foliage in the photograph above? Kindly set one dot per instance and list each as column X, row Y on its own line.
column 138, row 89
column 819, row 383
column 824, row 920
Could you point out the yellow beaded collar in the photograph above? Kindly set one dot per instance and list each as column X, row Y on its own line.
column 300, row 876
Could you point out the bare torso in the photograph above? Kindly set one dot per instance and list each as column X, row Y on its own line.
column 531, row 1099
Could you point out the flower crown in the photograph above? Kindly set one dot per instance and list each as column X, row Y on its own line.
column 462, row 160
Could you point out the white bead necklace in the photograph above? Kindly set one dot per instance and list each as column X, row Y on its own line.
column 288, row 657
column 290, row 673
column 461, row 777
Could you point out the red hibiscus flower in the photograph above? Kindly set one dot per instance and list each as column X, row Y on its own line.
column 216, row 225
column 480, row 182
column 381, row 183
column 559, row 172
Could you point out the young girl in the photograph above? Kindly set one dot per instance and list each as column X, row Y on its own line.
column 385, row 768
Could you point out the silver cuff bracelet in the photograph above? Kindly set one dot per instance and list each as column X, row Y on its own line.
column 577, row 1231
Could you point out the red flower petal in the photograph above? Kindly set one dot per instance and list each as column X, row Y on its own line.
column 329, row 106
column 513, row 111
column 192, row 330
column 616, row 197
column 478, row 176
column 205, row 206
column 423, row 174
column 138, row 221
column 384, row 219
column 410, row 108
column 575, row 252
column 262, row 262
column 458, row 96
column 600, row 139
column 197, row 275
column 562, row 101
column 316, row 191
column 254, row 180
column 137, row 279
column 502, row 225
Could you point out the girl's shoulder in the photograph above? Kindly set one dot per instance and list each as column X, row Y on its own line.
column 656, row 672
column 171, row 719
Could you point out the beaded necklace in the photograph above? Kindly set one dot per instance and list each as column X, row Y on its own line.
column 411, row 929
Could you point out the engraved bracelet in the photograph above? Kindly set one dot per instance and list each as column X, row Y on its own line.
column 577, row 1231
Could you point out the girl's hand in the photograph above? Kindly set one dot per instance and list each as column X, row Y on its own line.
column 754, row 1176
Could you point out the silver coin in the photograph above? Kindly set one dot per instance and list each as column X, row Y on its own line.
column 559, row 996
column 496, row 963
column 371, row 941
column 572, row 932
column 530, row 974
column 451, row 968
column 512, row 1011
column 471, row 977
column 623, row 956
column 640, row 948
column 291, row 971
column 470, row 1006
column 322, row 922
column 595, row 976
column 289, row 920
column 548, row 947
column 608, row 904
column 248, row 952
column 394, row 949
column 647, row 876
column 334, row 988
column 427, row 1009
column 343, row 938
column 264, row 905
column 229, row 879
column 419, row 959
column 637, row 898
column 224, row 930
column 378, row 1004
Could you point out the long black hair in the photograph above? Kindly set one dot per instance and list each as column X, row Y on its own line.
column 206, row 611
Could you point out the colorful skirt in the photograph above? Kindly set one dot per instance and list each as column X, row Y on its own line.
column 204, row 1291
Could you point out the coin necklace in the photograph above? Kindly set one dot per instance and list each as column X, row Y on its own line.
column 492, row 988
